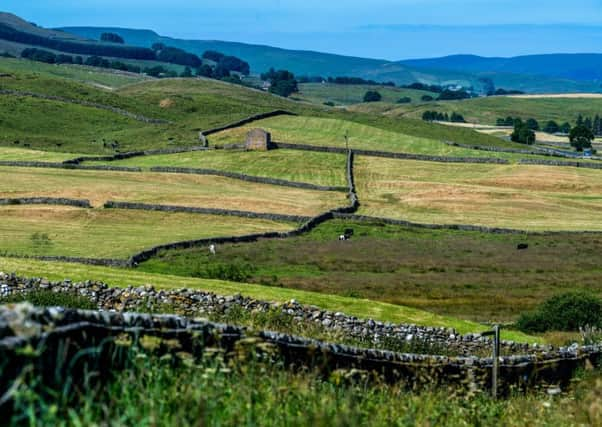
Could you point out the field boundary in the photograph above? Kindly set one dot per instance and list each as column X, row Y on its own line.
column 130, row 154
column 78, row 203
column 561, row 163
column 352, row 207
column 459, row 227
column 51, row 165
column 205, row 211
column 391, row 155
column 246, row 121
column 249, row 178
column 74, row 330
column 116, row 110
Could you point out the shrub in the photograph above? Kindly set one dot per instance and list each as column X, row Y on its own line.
column 567, row 312
column 372, row 96
column 404, row 100
column 427, row 98
column 51, row 299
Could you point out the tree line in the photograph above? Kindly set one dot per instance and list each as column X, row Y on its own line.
column 432, row 116
column 116, row 51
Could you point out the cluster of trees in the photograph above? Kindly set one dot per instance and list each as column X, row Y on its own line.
column 174, row 55
column 358, row 81
column 424, row 87
column 522, row 133
column 111, row 38
column 505, row 92
column 404, row 100
column 453, row 95
column 432, row 116
column 227, row 63
column 372, row 96
column 282, row 82
column 594, row 124
column 48, row 57
column 116, row 51
column 551, row 126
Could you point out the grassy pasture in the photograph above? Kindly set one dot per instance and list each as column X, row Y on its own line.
column 89, row 75
column 532, row 198
column 363, row 308
column 475, row 276
column 330, row 132
column 488, row 110
column 316, row 168
column 23, row 154
column 167, row 189
column 353, row 94
column 110, row 233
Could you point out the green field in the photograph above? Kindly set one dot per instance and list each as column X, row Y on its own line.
column 535, row 198
column 470, row 275
column 331, row 132
column 89, row 75
column 316, row 168
column 111, row 233
column 488, row 110
column 166, row 189
column 353, row 94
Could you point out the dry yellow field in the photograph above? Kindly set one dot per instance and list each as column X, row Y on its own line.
column 512, row 196
column 165, row 189
column 111, row 233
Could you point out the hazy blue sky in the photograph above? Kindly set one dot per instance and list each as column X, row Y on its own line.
column 391, row 29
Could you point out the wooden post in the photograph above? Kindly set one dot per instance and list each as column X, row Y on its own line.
column 496, row 361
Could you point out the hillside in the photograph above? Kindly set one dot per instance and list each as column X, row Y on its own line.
column 579, row 67
column 436, row 71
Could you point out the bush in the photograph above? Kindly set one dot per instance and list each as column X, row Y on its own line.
column 427, row 98
column 51, row 299
column 372, row 96
column 404, row 100
column 567, row 312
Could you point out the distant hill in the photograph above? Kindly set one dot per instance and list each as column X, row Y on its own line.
column 535, row 74
column 579, row 67
column 464, row 70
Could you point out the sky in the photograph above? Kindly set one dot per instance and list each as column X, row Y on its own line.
column 384, row 29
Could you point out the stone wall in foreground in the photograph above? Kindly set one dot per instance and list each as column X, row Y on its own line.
column 60, row 334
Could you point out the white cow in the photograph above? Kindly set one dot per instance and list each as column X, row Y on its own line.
column 342, row 237
column 212, row 249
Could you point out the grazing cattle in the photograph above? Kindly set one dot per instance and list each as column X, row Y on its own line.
column 212, row 249
column 342, row 237
column 522, row 246
column 349, row 232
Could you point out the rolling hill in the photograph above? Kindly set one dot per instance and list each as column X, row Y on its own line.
column 310, row 63
column 578, row 67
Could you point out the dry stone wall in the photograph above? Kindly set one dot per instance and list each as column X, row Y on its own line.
column 46, row 201
column 67, row 332
column 246, row 121
column 561, row 163
column 391, row 155
column 205, row 211
column 34, row 164
column 249, row 178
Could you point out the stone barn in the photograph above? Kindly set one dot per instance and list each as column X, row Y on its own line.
column 259, row 140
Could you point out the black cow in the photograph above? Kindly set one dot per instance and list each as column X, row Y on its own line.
column 522, row 246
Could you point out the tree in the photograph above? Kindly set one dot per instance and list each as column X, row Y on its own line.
column 186, row 73
column 457, row 118
column 581, row 137
column 551, row 127
column 213, row 56
column 522, row 133
column 532, row 124
column 205, row 70
column 111, row 38
column 565, row 127
column 372, row 96
column 453, row 95
column 427, row 98
column 282, row 82
column 404, row 100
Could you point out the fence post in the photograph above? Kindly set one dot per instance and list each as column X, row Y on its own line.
column 496, row 359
